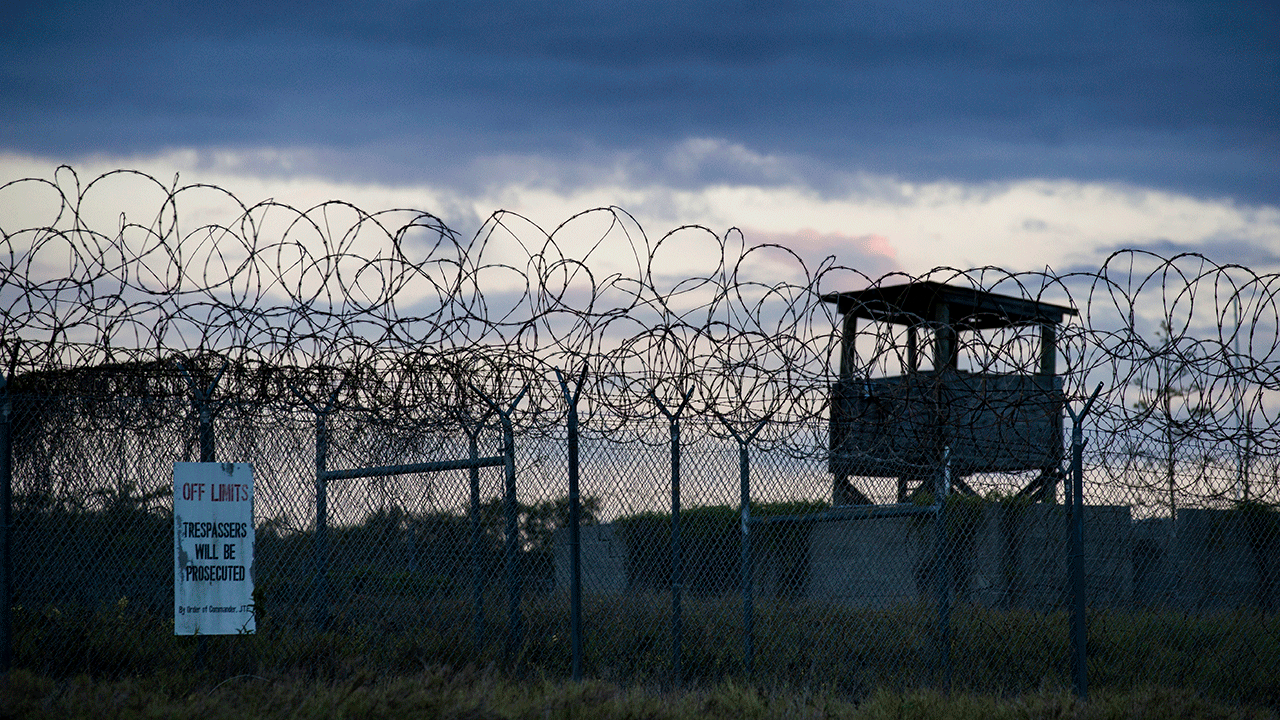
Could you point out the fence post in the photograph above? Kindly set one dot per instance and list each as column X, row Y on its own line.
column 6, row 539
column 575, row 550
column 942, row 563
column 320, row 542
column 208, row 453
column 1075, row 528
column 677, row 557
column 515, row 627
column 745, row 571
column 477, row 572
column 203, row 398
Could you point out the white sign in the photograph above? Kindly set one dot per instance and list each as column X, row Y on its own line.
column 213, row 549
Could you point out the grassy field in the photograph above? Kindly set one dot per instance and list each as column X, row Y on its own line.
column 384, row 656
column 1230, row 657
column 485, row 694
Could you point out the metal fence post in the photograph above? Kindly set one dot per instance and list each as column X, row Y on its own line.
column 203, row 398
column 746, row 569
column 208, row 453
column 511, row 555
column 477, row 572
column 511, row 508
column 320, row 542
column 677, row 556
column 575, row 550
column 1075, row 528
column 6, row 516
column 942, row 564
column 748, row 611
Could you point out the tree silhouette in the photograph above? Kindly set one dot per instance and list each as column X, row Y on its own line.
column 1173, row 403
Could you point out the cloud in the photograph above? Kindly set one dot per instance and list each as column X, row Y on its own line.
column 878, row 223
column 1254, row 254
column 919, row 91
column 872, row 254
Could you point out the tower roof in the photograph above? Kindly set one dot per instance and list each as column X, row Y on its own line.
column 917, row 302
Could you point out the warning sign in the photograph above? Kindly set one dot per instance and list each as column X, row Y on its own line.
column 213, row 549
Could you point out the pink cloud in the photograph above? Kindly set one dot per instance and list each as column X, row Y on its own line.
column 871, row 254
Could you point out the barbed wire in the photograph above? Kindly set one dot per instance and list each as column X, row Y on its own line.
column 191, row 287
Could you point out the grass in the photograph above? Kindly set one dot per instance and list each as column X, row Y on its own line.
column 798, row 647
column 439, row 692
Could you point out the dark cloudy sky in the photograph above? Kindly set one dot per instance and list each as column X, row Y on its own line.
column 855, row 121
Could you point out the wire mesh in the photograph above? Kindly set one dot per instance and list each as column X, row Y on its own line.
column 931, row 550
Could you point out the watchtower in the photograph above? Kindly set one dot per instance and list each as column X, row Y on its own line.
column 943, row 421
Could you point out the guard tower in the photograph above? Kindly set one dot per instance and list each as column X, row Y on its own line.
column 942, row 422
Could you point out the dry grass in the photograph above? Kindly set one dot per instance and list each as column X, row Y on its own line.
column 801, row 650
column 483, row 694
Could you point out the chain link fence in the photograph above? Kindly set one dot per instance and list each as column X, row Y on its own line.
column 975, row 594
column 684, row 503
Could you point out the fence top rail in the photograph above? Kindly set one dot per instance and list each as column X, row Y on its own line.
column 412, row 468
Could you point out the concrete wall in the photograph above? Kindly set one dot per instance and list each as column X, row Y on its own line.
column 603, row 558
column 866, row 563
column 1028, row 550
column 1211, row 560
column 1155, row 579
column 1013, row 557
